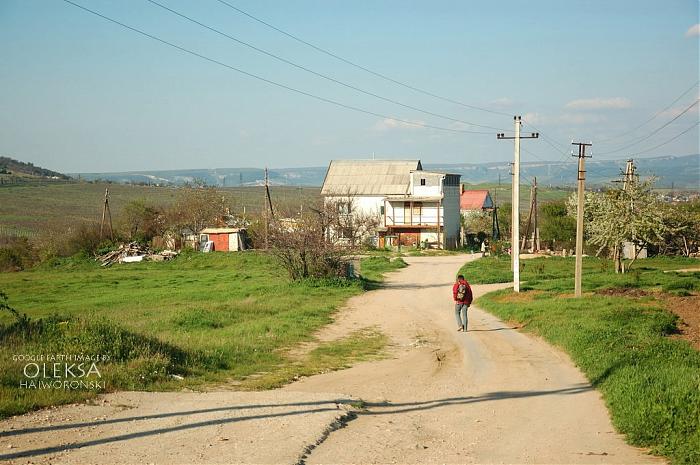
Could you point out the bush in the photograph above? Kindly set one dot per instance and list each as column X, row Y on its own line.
column 16, row 253
column 82, row 239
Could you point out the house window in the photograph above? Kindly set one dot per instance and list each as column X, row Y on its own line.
column 417, row 212
column 344, row 208
column 381, row 210
column 422, row 181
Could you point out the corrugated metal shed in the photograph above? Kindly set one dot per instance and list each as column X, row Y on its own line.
column 369, row 177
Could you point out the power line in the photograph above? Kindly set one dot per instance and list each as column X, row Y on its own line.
column 269, row 81
column 358, row 66
column 653, row 116
column 315, row 73
column 653, row 132
column 668, row 141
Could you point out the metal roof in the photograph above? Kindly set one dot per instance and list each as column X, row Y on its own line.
column 221, row 230
column 475, row 200
column 369, row 177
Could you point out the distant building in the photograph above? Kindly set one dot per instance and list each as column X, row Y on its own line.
column 475, row 200
column 412, row 205
column 224, row 239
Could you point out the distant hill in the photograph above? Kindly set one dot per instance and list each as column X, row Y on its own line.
column 681, row 171
column 20, row 168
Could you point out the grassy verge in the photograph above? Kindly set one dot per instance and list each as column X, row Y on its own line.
column 366, row 344
column 650, row 381
column 373, row 268
column 201, row 317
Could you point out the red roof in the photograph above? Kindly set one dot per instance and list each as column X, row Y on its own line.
column 473, row 200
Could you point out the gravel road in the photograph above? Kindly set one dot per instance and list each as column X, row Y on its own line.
column 491, row 395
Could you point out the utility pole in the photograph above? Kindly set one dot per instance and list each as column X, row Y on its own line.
column 536, row 236
column 532, row 215
column 106, row 212
column 515, row 239
column 579, row 212
column 266, row 205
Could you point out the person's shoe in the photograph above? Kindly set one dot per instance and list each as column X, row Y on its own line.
column 460, row 328
column 464, row 329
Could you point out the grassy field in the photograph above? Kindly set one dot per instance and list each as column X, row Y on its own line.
column 205, row 317
column 29, row 209
column 621, row 335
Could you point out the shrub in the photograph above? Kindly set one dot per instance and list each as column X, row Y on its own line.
column 16, row 253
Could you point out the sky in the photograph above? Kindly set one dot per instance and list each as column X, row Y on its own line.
column 81, row 94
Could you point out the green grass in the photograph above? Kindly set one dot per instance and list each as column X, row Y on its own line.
column 366, row 344
column 373, row 269
column 207, row 317
column 650, row 381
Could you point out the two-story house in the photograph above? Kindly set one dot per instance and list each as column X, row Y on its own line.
column 412, row 205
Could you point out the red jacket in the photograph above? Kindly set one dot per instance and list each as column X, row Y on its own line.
column 467, row 296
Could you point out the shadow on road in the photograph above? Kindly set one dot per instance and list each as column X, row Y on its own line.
column 383, row 408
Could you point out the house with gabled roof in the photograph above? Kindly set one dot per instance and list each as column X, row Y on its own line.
column 475, row 200
column 413, row 206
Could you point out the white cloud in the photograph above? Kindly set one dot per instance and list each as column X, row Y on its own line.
column 534, row 118
column 502, row 102
column 581, row 119
column 387, row 124
column 599, row 103
column 673, row 112
column 693, row 31
column 564, row 119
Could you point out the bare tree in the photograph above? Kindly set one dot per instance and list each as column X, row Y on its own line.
column 347, row 224
column 197, row 208
column 303, row 248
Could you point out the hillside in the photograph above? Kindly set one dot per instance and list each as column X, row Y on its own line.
column 679, row 171
column 20, row 168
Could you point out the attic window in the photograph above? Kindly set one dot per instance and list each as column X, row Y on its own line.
column 422, row 181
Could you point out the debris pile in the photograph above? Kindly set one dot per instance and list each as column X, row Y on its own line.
column 134, row 252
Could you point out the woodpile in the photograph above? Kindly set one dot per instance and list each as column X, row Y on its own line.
column 133, row 252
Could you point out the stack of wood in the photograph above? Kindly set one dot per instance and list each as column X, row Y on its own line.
column 132, row 249
column 134, row 252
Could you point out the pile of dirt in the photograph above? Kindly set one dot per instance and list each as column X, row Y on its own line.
column 688, row 310
column 623, row 292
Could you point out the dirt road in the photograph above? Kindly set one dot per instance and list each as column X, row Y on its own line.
column 491, row 395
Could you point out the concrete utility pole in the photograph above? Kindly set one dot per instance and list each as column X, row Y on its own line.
column 579, row 213
column 515, row 239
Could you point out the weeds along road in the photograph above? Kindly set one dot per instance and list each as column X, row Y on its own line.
column 492, row 395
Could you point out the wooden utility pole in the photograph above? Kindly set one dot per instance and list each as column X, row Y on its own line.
column 106, row 214
column 267, row 215
column 532, row 215
column 515, row 239
column 579, row 213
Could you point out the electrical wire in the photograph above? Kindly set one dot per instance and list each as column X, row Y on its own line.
column 669, row 140
column 358, row 66
column 269, row 81
column 653, row 132
column 315, row 73
column 653, row 116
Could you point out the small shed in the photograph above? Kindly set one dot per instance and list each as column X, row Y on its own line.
column 224, row 239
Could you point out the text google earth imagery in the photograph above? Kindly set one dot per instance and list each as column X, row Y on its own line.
column 368, row 232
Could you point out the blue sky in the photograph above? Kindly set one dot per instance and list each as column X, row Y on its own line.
column 81, row 94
